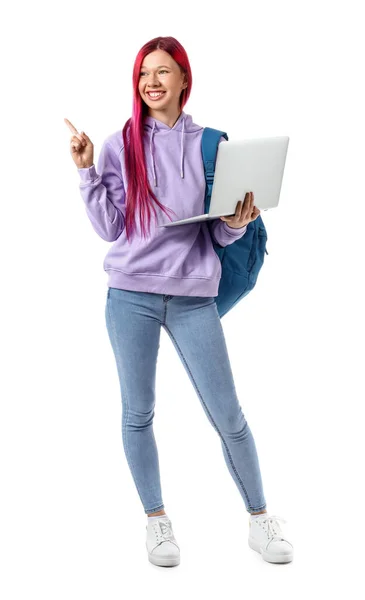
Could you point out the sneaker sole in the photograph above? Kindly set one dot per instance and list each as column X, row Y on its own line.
column 159, row 561
column 283, row 558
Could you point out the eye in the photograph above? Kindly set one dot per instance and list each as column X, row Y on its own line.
column 162, row 71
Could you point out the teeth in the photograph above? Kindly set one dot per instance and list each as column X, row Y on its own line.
column 155, row 94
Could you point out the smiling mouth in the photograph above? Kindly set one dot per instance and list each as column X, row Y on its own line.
column 159, row 94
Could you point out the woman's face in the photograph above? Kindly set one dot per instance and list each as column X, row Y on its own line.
column 159, row 71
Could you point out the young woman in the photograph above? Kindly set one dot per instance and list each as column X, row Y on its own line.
column 168, row 277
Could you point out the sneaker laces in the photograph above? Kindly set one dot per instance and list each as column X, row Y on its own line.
column 166, row 530
column 163, row 530
column 272, row 527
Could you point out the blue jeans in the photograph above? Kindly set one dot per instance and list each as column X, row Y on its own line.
column 134, row 321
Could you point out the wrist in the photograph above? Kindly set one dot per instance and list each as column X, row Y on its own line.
column 86, row 166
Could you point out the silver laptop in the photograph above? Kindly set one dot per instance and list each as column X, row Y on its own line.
column 253, row 165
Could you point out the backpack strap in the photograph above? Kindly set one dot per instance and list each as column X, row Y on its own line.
column 209, row 146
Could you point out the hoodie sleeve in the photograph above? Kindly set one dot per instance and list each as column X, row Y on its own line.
column 103, row 192
column 221, row 232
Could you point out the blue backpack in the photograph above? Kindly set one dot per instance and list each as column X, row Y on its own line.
column 241, row 261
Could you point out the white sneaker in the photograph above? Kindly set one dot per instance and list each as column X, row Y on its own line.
column 161, row 544
column 266, row 537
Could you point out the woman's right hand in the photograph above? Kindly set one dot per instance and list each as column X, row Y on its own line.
column 81, row 147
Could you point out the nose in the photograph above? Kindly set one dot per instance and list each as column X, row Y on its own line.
column 152, row 81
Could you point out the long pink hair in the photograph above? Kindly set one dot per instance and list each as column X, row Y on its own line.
column 139, row 189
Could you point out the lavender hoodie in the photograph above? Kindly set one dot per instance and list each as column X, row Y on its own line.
column 176, row 260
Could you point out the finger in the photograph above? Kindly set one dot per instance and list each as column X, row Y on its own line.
column 86, row 137
column 251, row 204
column 238, row 211
column 243, row 210
column 255, row 213
column 71, row 127
column 82, row 139
column 75, row 142
column 247, row 206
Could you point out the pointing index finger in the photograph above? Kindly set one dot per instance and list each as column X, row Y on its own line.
column 71, row 127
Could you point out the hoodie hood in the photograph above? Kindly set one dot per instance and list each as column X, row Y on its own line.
column 183, row 125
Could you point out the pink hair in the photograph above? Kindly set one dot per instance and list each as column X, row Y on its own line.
column 138, row 185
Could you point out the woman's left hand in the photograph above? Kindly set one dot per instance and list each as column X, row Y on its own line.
column 245, row 213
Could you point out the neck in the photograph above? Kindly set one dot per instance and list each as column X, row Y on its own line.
column 167, row 116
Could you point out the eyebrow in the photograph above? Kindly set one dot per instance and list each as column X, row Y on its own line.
column 143, row 67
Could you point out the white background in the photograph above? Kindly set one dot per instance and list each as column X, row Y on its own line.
column 72, row 525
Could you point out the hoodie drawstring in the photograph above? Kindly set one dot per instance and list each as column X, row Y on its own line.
column 182, row 151
column 151, row 153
